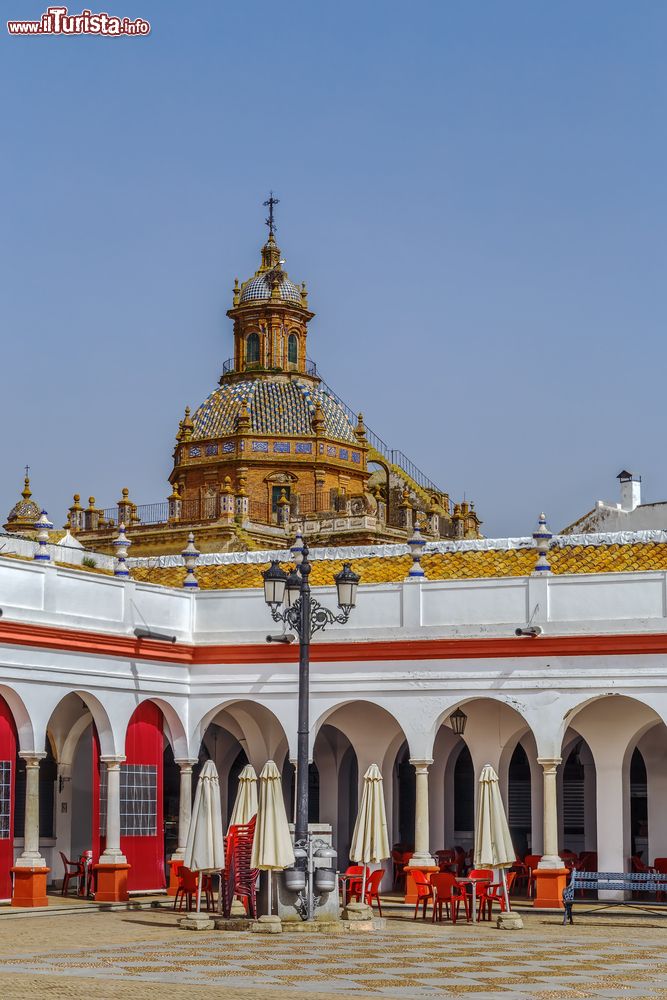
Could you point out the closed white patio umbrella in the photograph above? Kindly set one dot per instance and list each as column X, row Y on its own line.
column 272, row 845
column 245, row 803
column 205, row 850
column 370, row 842
column 493, row 843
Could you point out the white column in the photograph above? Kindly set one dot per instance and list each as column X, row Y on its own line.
column 590, row 817
column 184, row 805
column 550, row 858
column 112, row 852
column 31, row 858
column 612, row 821
column 436, row 804
column 422, row 856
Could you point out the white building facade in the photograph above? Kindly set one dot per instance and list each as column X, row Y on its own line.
column 102, row 732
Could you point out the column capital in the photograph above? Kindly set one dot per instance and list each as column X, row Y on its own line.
column 113, row 761
column 32, row 757
column 549, row 764
column 185, row 763
column 421, row 764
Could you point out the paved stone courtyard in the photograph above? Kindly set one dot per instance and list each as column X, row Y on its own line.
column 143, row 954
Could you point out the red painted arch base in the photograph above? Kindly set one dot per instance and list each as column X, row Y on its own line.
column 549, row 885
column 111, row 881
column 30, row 886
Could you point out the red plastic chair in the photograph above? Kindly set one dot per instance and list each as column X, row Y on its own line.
column 188, row 882
column 532, row 861
column 493, row 893
column 521, row 878
column 460, row 861
column 373, row 888
column 188, row 886
column 448, row 893
column 446, row 861
column 77, row 872
column 424, row 891
column 399, row 860
column 352, row 886
column 239, row 879
column 637, row 865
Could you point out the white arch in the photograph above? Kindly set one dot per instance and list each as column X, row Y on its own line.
column 259, row 726
column 22, row 720
column 173, row 728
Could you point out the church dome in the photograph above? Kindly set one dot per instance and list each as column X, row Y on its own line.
column 276, row 406
column 25, row 512
column 259, row 287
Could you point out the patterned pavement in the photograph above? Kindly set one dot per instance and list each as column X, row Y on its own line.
column 596, row 958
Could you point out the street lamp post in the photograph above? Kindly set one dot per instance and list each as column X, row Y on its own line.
column 304, row 614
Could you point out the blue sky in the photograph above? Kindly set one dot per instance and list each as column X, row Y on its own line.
column 474, row 193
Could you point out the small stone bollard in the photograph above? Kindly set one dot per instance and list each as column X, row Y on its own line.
column 196, row 922
column 267, row 924
column 509, row 921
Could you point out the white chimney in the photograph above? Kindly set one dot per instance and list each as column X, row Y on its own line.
column 631, row 490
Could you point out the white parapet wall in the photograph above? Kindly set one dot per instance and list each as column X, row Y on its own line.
column 561, row 605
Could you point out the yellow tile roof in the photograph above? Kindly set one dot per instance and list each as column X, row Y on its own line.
column 438, row 566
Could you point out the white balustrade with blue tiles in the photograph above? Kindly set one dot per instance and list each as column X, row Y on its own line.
column 121, row 544
column 43, row 526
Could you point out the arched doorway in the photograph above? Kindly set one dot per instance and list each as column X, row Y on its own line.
column 8, row 759
column 638, row 807
column 519, row 812
column 141, row 799
column 405, row 781
column 336, row 793
column 464, row 800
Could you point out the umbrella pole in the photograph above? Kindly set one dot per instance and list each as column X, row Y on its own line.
column 505, row 892
column 363, row 883
column 270, row 878
column 199, row 882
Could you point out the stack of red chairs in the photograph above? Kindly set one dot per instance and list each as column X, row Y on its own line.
column 239, row 879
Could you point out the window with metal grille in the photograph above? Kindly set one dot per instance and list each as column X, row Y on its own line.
column 5, row 798
column 138, row 800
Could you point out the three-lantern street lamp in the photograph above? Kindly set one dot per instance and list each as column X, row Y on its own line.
column 306, row 616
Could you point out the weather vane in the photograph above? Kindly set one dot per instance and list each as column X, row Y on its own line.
column 269, row 204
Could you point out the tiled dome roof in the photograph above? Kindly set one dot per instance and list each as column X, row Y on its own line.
column 24, row 510
column 259, row 287
column 276, row 406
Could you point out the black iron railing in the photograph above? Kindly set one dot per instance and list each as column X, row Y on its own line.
column 230, row 368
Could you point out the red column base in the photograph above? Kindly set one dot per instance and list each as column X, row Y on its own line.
column 549, row 885
column 30, row 886
column 410, row 887
column 174, row 865
column 111, row 881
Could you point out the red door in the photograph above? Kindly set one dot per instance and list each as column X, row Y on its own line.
column 141, row 819
column 7, row 781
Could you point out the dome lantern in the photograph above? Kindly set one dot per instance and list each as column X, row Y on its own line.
column 270, row 313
